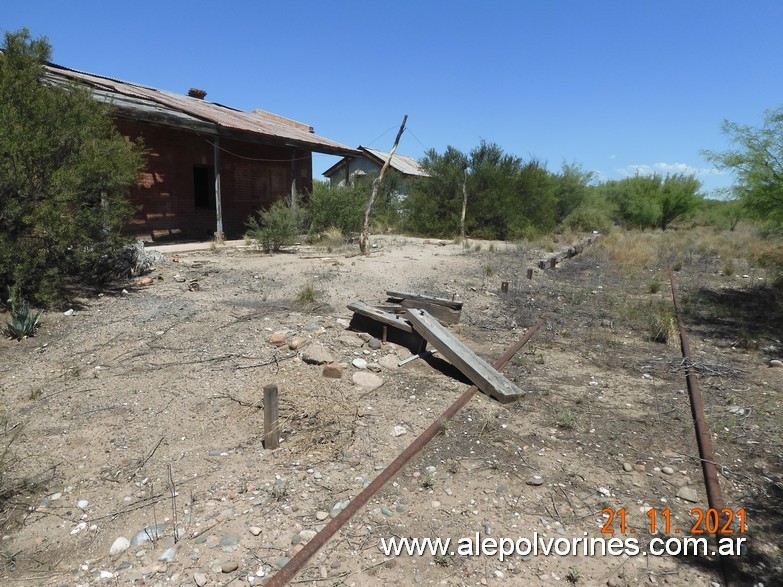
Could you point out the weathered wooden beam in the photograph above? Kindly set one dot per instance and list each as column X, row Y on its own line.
column 380, row 316
column 442, row 313
column 271, row 427
column 481, row 373
column 402, row 295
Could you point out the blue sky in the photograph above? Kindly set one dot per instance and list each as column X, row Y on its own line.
column 615, row 86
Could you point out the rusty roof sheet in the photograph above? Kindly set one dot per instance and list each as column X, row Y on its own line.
column 402, row 163
column 188, row 112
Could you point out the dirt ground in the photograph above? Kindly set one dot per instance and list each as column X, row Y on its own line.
column 132, row 428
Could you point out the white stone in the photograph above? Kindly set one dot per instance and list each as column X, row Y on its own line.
column 367, row 380
column 119, row 546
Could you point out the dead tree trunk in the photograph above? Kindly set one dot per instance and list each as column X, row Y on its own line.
column 464, row 205
column 364, row 237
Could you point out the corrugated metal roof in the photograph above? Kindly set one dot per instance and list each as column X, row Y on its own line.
column 402, row 163
column 180, row 110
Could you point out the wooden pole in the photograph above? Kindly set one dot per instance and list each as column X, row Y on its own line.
column 219, row 234
column 364, row 237
column 271, row 431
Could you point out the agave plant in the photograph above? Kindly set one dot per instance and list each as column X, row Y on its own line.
column 23, row 322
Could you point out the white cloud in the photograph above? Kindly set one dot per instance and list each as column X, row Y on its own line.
column 664, row 168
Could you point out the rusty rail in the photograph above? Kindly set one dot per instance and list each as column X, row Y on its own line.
column 293, row 566
column 707, row 457
column 703, row 440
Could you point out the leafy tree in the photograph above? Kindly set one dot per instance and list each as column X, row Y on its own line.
column 433, row 207
column 678, row 196
column 64, row 174
column 572, row 188
column 342, row 206
column 508, row 198
column 757, row 161
column 494, row 203
column 651, row 201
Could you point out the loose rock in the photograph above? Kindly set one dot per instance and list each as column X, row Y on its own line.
column 119, row 546
column 200, row 579
column 316, row 354
column 168, row 555
column 688, row 494
column 535, row 481
column 297, row 342
column 775, row 363
column 229, row 566
column 333, row 371
column 389, row 362
column 351, row 341
column 368, row 381
column 359, row 363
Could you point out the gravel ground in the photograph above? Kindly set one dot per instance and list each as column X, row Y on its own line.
column 133, row 428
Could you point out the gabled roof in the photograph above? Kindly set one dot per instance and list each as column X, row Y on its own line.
column 402, row 163
column 139, row 102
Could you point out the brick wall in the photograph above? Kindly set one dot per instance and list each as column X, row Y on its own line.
column 252, row 177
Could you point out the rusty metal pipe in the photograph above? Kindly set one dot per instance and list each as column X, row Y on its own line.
column 292, row 567
column 703, row 440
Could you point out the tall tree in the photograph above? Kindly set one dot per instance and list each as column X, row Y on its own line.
column 757, row 161
column 64, row 174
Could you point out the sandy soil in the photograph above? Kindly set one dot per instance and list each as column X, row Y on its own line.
column 139, row 419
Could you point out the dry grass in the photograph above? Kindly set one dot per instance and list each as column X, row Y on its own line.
column 657, row 249
column 331, row 239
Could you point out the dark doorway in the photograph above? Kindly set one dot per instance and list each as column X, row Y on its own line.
column 204, row 187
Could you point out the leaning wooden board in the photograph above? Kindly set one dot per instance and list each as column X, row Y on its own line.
column 481, row 373
column 447, row 311
column 404, row 295
column 380, row 316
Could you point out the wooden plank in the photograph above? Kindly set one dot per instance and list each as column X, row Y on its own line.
column 402, row 295
column 443, row 313
column 481, row 373
column 271, row 428
column 380, row 316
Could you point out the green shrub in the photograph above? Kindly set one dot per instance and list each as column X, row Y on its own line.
column 342, row 206
column 307, row 295
column 64, row 176
column 276, row 227
column 587, row 218
column 23, row 322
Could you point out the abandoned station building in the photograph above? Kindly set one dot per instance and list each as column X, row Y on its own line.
column 209, row 167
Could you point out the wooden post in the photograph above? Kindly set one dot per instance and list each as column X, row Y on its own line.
column 220, row 236
column 271, row 431
column 530, row 273
column 552, row 262
column 364, row 237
